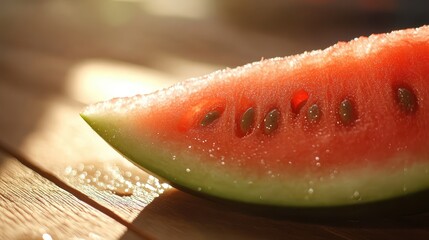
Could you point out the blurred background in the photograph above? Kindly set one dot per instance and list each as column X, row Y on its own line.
column 92, row 50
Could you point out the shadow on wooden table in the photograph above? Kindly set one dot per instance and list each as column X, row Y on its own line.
column 179, row 215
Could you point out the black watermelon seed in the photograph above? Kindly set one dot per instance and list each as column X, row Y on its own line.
column 210, row 117
column 406, row 99
column 247, row 121
column 313, row 113
column 271, row 121
column 346, row 112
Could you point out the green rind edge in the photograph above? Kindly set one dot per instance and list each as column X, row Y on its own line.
column 213, row 180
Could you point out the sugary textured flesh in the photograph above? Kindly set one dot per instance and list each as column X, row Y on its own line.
column 380, row 152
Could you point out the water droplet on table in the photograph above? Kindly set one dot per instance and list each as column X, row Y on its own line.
column 117, row 179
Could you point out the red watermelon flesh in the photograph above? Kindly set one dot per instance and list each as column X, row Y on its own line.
column 340, row 126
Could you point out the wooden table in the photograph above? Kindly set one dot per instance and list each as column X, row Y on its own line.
column 59, row 180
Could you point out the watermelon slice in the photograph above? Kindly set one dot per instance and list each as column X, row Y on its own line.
column 336, row 127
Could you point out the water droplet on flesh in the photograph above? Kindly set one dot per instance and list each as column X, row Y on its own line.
column 356, row 195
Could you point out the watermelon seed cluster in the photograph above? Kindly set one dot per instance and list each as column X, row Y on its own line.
column 347, row 114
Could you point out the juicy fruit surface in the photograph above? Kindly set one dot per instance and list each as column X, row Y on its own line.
column 341, row 126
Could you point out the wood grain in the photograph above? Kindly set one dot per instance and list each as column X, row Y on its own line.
column 31, row 207
column 50, row 132
column 186, row 214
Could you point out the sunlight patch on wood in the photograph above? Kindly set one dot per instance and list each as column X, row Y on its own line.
column 184, row 68
column 192, row 9
column 64, row 145
column 62, row 138
column 95, row 80
column 98, row 79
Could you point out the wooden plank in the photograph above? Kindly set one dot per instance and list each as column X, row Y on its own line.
column 405, row 227
column 50, row 132
column 186, row 215
column 32, row 207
